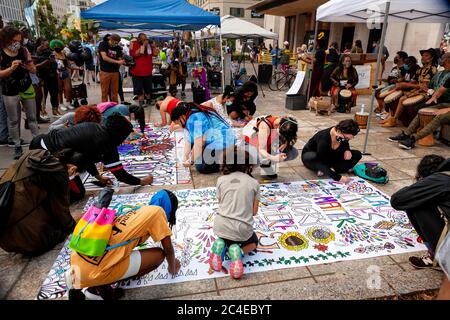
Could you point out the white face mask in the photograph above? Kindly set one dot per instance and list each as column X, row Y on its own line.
column 25, row 41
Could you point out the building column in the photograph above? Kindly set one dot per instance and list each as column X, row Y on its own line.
column 300, row 31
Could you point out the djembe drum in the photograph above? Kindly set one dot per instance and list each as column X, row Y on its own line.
column 344, row 99
column 425, row 117
column 384, row 92
column 391, row 101
column 381, row 93
column 361, row 119
column 414, row 100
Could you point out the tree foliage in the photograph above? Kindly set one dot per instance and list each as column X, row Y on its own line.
column 49, row 25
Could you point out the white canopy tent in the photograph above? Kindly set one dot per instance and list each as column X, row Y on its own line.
column 235, row 28
column 376, row 11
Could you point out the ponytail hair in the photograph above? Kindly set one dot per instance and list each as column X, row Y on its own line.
column 288, row 132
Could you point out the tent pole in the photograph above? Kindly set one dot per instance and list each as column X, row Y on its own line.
column 221, row 61
column 313, row 53
column 375, row 81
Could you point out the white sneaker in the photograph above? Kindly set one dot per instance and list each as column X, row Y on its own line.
column 62, row 107
column 71, row 107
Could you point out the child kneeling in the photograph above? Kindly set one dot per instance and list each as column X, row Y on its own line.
column 238, row 196
column 91, row 277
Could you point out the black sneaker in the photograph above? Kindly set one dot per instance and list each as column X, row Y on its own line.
column 18, row 153
column 3, row 143
column 42, row 120
column 103, row 293
column 408, row 143
column 423, row 262
column 22, row 144
column 400, row 137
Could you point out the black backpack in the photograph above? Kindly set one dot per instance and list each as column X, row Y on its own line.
column 7, row 190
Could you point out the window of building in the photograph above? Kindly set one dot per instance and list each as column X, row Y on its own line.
column 257, row 15
column 216, row 11
column 237, row 12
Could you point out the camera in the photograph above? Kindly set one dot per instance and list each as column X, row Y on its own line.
column 129, row 61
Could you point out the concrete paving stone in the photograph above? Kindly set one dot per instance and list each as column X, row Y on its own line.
column 305, row 173
column 350, row 267
column 257, row 278
column 413, row 280
column 409, row 166
column 32, row 277
column 200, row 296
column 404, row 257
column 357, row 285
column 384, row 152
column 393, row 186
column 286, row 290
column 171, row 290
column 11, row 267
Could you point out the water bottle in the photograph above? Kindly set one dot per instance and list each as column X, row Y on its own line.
column 362, row 108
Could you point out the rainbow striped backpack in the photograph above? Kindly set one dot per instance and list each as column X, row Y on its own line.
column 93, row 231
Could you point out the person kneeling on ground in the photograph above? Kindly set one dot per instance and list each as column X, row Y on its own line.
column 81, row 114
column 94, row 276
column 97, row 144
column 166, row 106
column 208, row 136
column 328, row 151
column 423, row 201
column 126, row 111
column 243, row 107
column 39, row 218
column 238, row 196
column 271, row 140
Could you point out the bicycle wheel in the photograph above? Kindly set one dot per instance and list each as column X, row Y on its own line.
column 273, row 81
column 285, row 82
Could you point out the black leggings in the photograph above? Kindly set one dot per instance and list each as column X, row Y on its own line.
column 51, row 86
column 312, row 162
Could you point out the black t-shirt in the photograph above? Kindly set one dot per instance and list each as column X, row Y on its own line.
column 19, row 80
column 113, row 53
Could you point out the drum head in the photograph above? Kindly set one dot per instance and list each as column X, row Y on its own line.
column 413, row 100
column 345, row 93
column 428, row 111
column 393, row 96
column 387, row 88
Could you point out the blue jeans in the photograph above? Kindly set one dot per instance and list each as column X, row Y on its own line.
column 4, row 135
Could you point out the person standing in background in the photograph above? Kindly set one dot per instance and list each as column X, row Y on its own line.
column 110, row 61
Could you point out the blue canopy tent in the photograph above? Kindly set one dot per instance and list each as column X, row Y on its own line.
column 150, row 15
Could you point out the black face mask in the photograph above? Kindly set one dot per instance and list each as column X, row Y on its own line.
column 395, row 60
column 58, row 50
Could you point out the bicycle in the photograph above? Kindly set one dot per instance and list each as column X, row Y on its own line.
column 282, row 79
